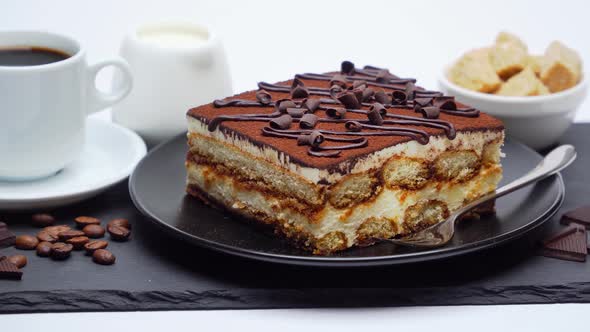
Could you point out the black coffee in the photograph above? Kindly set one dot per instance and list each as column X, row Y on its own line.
column 30, row 56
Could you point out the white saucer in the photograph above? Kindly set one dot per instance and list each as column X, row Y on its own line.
column 110, row 154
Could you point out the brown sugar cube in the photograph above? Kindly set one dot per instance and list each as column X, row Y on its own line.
column 524, row 83
column 542, row 89
column 562, row 68
column 508, row 59
column 507, row 38
column 535, row 63
column 474, row 71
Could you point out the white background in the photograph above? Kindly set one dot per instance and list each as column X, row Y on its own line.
column 271, row 41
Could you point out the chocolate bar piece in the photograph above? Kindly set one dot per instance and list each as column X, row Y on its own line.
column 7, row 238
column 580, row 215
column 569, row 244
column 9, row 270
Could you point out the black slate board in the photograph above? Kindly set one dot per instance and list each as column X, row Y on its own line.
column 156, row 272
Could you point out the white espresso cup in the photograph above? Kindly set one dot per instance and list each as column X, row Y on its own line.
column 43, row 107
column 175, row 66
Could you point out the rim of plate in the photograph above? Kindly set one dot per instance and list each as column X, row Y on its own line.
column 331, row 261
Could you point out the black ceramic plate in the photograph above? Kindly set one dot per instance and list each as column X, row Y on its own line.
column 157, row 187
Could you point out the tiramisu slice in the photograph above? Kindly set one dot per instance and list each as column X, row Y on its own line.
column 344, row 158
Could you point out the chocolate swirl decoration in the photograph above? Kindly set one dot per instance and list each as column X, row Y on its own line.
column 401, row 97
column 314, row 138
column 348, row 92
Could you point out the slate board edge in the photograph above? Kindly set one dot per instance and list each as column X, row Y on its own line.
column 115, row 300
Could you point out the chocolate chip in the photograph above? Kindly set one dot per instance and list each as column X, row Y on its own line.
column 61, row 250
column 359, row 84
column 118, row 233
column 94, row 245
column 299, row 92
column 18, row 260
column 120, row 222
column 379, row 108
column 367, row 94
column 339, row 80
column 282, row 122
column 335, row 90
column 336, row 112
column 308, row 121
column 347, row 67
column 421, row 102
column 383, row 76
column 42, row 220
column 282, row 105
column 94, row 231
column 399, row 97
column 44, row 249
column 312, row 104
column 410, row 90
column 374, row 114
column 45, row 236
column 430, row 112
column 295, row 113
column 78, row 242
column 349, row 100
column 358, row 93
column 103, row 257
column 382, row 97
column 445, row 103
column 314, row 139
column 296, row 82
column 263, row 97
column 85, row 220
column 66, row 235
column 26, row 242
column 354, row 126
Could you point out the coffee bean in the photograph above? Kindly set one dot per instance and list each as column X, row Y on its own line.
column 57, row 229
column 44, row 249
column 84, row 220
column 63, row 236
column 18, row 260
column 120, row 222
column 46, row 236
column 94, row 245
column 118, row 233
column 61, row 250
column 94, row 231
column 26, row 242
column 78, row 242
column 103, row 257
column 42, row 220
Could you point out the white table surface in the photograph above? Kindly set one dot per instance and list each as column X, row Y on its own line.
column 271, row 41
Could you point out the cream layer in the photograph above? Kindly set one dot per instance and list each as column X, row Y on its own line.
column 388, row 205
column 472, row 140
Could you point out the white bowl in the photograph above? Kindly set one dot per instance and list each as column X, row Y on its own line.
column 538, row 121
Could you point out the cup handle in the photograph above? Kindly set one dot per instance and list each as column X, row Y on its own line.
column 99, row 100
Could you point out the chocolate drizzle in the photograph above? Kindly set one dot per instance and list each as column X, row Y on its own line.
column 350, row 90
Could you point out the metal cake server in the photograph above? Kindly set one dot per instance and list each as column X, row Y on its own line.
column 439, row 234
